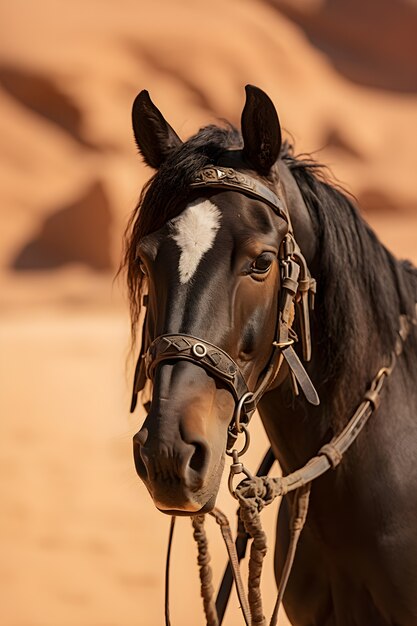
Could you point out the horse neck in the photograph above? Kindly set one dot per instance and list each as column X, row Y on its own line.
column 296, row 429
column 340, row 369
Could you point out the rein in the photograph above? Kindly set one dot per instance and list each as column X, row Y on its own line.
column 297, row 291
column 255, row 492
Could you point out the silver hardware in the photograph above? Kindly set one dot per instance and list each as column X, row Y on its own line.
column 199, row 350
column 245, row 445
column 238, row 411
column 283, row 344
column 236, row 468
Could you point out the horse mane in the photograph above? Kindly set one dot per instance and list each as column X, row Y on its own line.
column 357, row 276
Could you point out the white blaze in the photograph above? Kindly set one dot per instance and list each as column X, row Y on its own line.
column 194, row 232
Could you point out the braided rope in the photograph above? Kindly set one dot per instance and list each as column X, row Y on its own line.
column 206, row 575
column 223, row 522
column 258, row 550
column 253, row 495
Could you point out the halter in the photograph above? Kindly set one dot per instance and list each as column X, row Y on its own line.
column 297, row 288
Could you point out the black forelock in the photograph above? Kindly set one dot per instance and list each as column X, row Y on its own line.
column 165, row 194
column 169, row 188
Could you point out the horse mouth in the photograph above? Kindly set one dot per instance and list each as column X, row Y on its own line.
column 208, row 506
column 177, row 499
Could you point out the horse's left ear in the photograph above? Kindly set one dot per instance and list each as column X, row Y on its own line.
column 261, row 130
column 154, row 137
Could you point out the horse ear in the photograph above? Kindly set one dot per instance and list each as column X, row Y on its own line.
column 154, row 136
column 261, row 130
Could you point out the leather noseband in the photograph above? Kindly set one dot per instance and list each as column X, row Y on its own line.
column 204, row 353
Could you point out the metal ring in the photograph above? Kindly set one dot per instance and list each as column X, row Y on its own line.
column 283, row 344
column 245, row 445
column 238, row 411
column 231, row 477
column 383, row 373
column 199, row 350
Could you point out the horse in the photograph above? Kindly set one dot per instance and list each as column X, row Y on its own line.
column 206, row 259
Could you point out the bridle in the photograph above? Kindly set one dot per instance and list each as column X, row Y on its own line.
column 297, row 290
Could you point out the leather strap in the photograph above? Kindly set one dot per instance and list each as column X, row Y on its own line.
column 139, row 379
column 228, row 178
column 167, row 569
column 223, row 522
column 200, row 352
column 298, row 519
column 331, row 454
column 263, row 490
column 301, row 375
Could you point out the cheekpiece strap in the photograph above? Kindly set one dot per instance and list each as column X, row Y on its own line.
column 228, row 178
column 139, row 380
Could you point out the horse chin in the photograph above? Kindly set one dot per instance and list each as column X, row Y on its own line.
column 209, row 506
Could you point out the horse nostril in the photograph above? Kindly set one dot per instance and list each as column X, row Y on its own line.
column 139, row 458
column 199, row 458
column 140, row 437
column 197, row 465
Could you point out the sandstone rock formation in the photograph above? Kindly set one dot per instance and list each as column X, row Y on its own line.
column 373, row 43
column 69, row 73
column 78, row 233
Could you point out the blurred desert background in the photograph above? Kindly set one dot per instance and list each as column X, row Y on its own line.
column 81, row 544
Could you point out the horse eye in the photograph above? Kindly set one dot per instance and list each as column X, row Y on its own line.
column 262, row 263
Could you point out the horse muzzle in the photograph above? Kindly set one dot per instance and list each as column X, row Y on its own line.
column 178, row 474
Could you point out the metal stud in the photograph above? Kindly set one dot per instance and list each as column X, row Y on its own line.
column 199, row 350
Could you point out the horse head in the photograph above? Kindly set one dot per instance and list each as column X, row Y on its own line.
column 212, row 247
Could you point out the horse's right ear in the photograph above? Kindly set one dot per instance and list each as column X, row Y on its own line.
column 154, row 136
column 261, row 130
